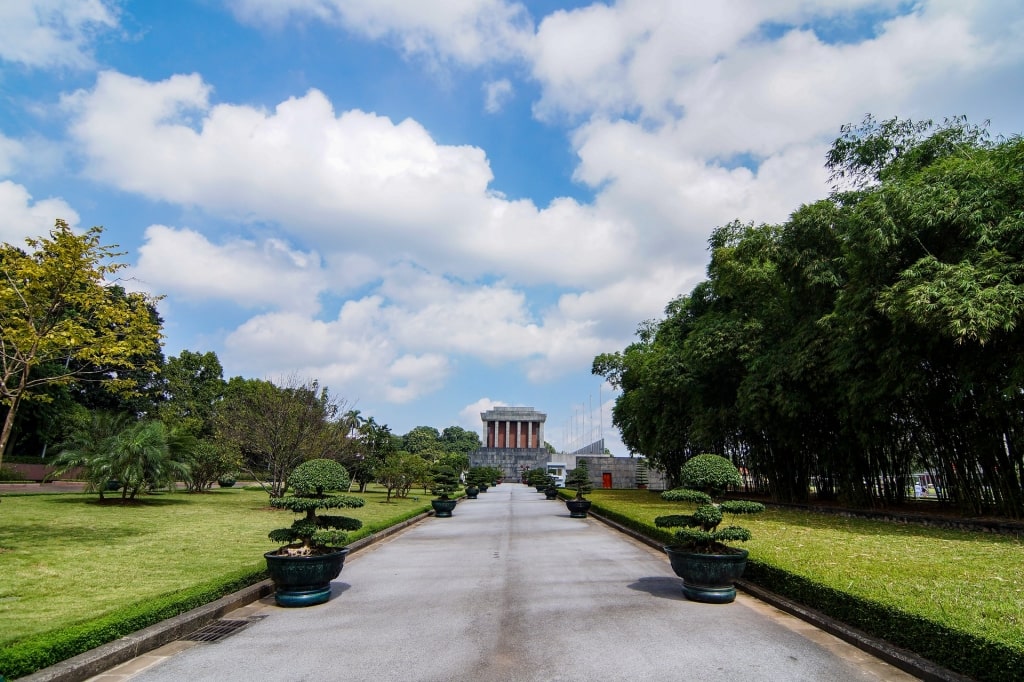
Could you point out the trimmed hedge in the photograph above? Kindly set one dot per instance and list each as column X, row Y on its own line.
column 34, row 653
column 968, row 654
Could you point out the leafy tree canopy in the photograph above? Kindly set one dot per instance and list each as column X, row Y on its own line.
column 59, row 307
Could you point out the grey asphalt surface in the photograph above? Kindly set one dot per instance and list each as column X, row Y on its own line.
column 512, row 589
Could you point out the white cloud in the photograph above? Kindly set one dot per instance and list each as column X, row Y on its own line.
column 351, row 182
column 20, row 217
column 352, row 353
column 52, row 33
column 244, row 272
column 465, row 31
column 685, row 117
column 709, row 73
column 496, row 95
column 469, row 416
column 11, row 153
column 404, row 339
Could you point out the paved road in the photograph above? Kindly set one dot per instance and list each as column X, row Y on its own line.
column 511, row 589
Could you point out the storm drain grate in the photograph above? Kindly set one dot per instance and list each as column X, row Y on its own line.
column 216, row 631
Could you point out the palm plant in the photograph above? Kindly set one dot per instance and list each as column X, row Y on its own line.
column 86, row 448
column 113, row 450
column 147, row 456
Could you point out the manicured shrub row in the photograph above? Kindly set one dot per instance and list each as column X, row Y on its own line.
column 371, row 528
column 962, row 652
column 956, row 650
column 37, row 652
column 646, row 529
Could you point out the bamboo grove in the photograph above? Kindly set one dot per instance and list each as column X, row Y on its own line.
column 874, row 334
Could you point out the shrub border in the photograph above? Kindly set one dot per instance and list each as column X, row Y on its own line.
column 934, row 645
column 50, row 648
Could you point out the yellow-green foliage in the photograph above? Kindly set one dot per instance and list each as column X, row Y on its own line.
column 56, row 305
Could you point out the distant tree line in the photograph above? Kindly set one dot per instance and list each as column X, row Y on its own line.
column 874, row 334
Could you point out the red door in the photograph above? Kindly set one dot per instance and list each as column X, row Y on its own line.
column 606, row 480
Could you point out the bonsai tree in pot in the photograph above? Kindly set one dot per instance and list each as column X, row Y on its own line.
column 303, row 570
column 472, row 483
column 550, row 490
column 538, row 478
column 489, row 476
column 579, row 480
column 706, row 564
column 443, row 483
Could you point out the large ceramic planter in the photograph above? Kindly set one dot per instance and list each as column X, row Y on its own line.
column 707, row 578
column 442, row 508
column 550, row 493
column 578, row 508
column 472, row 491
column 304, row 580
column 483, row 488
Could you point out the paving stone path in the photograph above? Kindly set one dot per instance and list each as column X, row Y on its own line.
column 511, row 589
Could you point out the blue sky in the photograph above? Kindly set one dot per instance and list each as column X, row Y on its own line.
column 435, row 208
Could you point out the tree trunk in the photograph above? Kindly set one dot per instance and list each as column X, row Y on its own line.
column 5, row 435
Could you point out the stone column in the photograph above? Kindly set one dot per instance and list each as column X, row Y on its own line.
column 529, row 434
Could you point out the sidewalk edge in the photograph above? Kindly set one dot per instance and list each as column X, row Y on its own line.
column 900, row 658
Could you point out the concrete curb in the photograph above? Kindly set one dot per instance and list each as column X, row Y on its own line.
column 106, row 656
column 904, row 660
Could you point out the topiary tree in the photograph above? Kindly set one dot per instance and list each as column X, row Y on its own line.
column 579, row 479
column 311, row 482
column 487, row 476
column 642, row 476
column 537, row 477
column 475, row 476
column 705, row 478
column 443, row 481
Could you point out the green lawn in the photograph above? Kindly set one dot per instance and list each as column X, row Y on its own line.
column 972, row 582
column 65, row 559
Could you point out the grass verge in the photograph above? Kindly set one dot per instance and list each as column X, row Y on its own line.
column 78, row 574
column 954, row 597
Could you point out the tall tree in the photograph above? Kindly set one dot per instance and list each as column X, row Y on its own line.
column 56, row 308
column 276, row 428
column 875, row 333
column 193, row 385
column 422, row 439
column 459, row 440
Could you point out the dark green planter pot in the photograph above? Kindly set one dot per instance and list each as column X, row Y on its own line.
column 550, row 493
column 442, row 508
column 226, row 482
column 483, row 488
column 578, row 508
column 304, row 580
column 707, row 578
column 472, row 491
